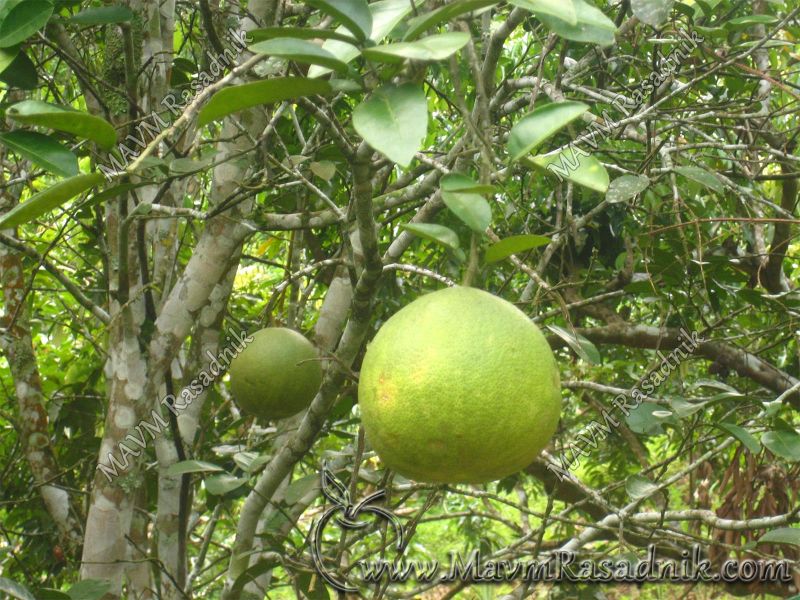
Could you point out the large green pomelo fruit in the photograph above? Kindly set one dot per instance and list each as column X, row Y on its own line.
column 459, row 387
column 277, row 375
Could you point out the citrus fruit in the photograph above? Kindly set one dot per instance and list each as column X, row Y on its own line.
column 459, row 387
column 277, row 375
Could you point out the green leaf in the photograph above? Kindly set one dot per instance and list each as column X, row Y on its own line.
column 434, row 47
column 42, row 150
column 219, row 485
column 191, row 466
column 48, row 199
column 446, row 13
column 436, row 233
column 20, row 19
column 472, row 209
column 386, row 15
column 626, row 187
column 561, row 9
column 352, row 14
column 701, row 176
column 21, row 73
column 579, row 168
column 457, row 182
column 652, row 12
column 582, row 347
column 394, row 121
column 592, row 26
column 233, row 99
column 102, row 15
column 752, row 20
column 15, row 590
column 300, row 33
column 89, row 589
column 782, row 535
column 785, row 444
column 300, row 487
column 7, row 56
column 648, row 419
column 535, row 127
column 250, row 462
column 64, row 118
column 639, row 487
column 300, row 51
column 744, row 436
column 514, row 245
column 324, row 169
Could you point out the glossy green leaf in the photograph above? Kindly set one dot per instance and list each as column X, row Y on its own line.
column 48, row 199
column 15, row 590
column 579, row 168
column 701, row 176
column 20, row 73
column 443, row 14
column 192, row 466
column 42, row 150
column 514, row 245
column 579, row 344
column 386, row 15
column 436, row 233
column 394, row 121
column 233, row 99
column 782, row 535
column 352, row 14
column 592, row 26
column 102, row 15
column 639, row 487
column 20, row 19
column 652, row 12
column 64, row 118
column 535, row 127
column 744, row 436
column 300, row 33
column 301, row 51
column 88, row 589
column 783, row 443
column 218, row 485
column 626, row 187
column 457, row 182
column 434, row 47
column 472, row 209
column 561, row 9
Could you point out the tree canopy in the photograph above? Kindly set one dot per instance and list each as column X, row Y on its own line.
column 178, row 175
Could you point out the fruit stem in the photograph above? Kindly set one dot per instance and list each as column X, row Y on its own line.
column 472, row 265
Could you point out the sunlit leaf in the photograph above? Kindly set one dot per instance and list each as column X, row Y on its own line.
column 298, row 50
column 514, row 245
column 437, row 233
column 233, row 99
column 394, row 121
column 48, row 199
column 561, row 9
column 434, row 47
column 535, row 127
column 64, row 118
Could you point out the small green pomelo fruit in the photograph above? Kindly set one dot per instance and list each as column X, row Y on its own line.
column 459, row 387
column 277, row 375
